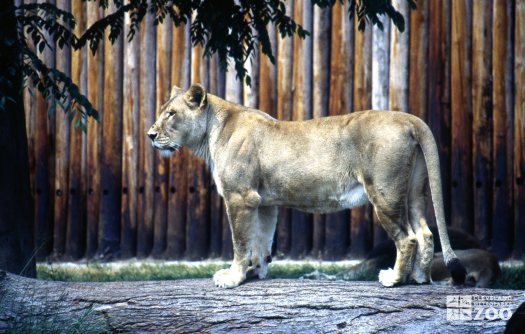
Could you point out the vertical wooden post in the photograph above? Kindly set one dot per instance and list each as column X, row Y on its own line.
column 482, row 117
column 214, row 74
column 204, row 71
column 233, row 91
column 418, row 60
column 519, row 131
column 284, row 112
column 197, row 227
column 76, row 219
column 338, row 224
column 111, row 166
column 220, row 79
column 399, row 46
column 163, row 72
column 380, row 65
column 180, row 76
column 502, row 94
column 439, row 118
column 302, row 63
column 302, row 95
column 147, row 88
column 361, row 221
column 461, row 115
column 268, row 78
column 61, row 118
column 321, row 61
column 301, row 224
column 95, row 90
column 130, row 144
column 44, row 157
column 251, row 93
column 30, row 106
column 320, row 99
column 380, row 91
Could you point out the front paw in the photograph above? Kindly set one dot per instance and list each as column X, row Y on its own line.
column 389, row 278
column 228, row 278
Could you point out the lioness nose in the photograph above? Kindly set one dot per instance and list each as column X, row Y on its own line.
column 152, row 135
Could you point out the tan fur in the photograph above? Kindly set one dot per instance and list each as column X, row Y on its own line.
column 320, row 165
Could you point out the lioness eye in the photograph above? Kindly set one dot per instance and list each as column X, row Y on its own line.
column 171, row 113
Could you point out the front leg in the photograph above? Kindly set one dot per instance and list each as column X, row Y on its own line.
column 243, row 216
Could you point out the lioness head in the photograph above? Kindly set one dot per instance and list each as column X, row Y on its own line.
column 182, row 120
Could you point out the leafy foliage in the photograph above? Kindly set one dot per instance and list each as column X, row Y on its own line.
column 370, row 9
column 39, row 26
column 232, row 29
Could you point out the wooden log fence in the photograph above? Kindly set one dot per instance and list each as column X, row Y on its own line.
column 106, row 193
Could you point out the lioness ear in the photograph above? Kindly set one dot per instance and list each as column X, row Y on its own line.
column 176, row 91
column 195, row 96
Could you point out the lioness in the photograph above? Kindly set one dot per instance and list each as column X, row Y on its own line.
column 321, row 165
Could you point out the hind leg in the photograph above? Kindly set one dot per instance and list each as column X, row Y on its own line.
column 387, row 185
column 262, row 245
column 399, row 230
column 417, row 200
column 425, row 248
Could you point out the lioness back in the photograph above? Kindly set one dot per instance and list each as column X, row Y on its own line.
column 319, row 165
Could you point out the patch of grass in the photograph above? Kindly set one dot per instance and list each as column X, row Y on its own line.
column 511, row 277
column 159, row 271
column 140, row 272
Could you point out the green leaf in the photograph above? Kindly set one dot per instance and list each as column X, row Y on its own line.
column 78, row 123
column 61, row 105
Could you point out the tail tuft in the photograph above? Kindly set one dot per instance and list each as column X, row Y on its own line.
column 457, row 270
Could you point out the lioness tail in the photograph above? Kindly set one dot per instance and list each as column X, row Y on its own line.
column 430, row 152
